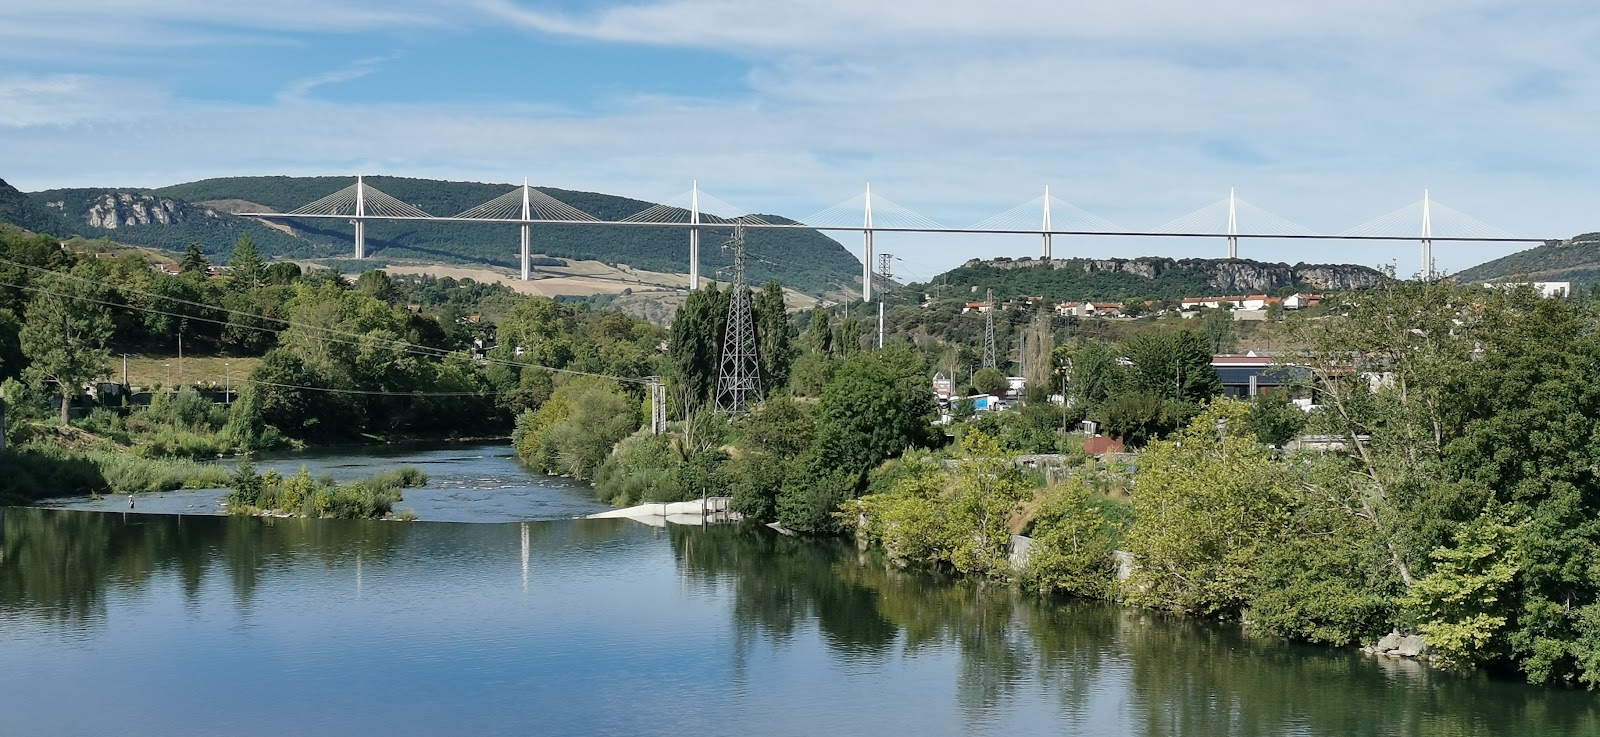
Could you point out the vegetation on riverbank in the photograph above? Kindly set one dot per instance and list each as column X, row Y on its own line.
column 271, row 494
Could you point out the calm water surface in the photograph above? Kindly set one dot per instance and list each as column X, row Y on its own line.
column 467, row 482
column 114, row 624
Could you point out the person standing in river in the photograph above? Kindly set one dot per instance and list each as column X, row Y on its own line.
column 130, row 501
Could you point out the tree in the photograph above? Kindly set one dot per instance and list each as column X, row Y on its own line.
column 1207, row 503
column 694, row 348
column 194, row 260
column 847, row 336
column 1094, row 375
column 989, row 380
column 1139, row 418
column 245, row 268
column 1072, row 545
column 1274, row 419
column 1174, row 365
column 776, row 337
column 65, row 334
column 376, row 284
column 819, row 332
column 1040, row 360
column 1217, row 326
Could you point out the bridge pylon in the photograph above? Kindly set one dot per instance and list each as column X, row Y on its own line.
column 1046, row 229
column 866, row 250
column 1427, row 237
column 361, row 218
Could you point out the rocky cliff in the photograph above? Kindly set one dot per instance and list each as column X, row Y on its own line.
column 113, row 210
column 1156, row 276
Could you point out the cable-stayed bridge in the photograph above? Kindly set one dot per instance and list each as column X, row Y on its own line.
column 1230, row 220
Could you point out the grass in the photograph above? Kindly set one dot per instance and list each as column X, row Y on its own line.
column 147, row 370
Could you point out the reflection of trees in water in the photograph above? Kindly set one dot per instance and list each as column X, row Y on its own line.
column 1180, row 676
column 59, row 565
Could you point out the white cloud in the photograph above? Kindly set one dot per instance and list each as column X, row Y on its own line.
column 71, row 99
column 1140, row 111
column 301, row 88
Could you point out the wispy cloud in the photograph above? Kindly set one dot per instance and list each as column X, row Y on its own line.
column 301, row 88
column 72, row 99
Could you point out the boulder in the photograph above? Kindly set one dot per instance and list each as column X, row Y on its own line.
column 1411, row 646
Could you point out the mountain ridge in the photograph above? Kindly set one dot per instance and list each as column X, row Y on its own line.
column 1145, row 277
column 202, row 211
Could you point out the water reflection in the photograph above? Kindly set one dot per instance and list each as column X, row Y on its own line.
column 1107, row 669
column 605, row 626
column 59, row 565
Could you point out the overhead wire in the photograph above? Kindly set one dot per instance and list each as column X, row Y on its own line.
column 350, row 338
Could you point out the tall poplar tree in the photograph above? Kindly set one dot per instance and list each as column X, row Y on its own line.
column 775, row 337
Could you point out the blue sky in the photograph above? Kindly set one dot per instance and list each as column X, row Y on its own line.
column 1327, row 114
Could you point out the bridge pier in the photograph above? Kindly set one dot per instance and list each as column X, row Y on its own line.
column 361, row 238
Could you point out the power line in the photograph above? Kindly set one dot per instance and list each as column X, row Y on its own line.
column 358, row 338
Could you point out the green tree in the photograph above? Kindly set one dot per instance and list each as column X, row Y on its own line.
column 1208, row 501
column 1173, row 365
column 1217, row 327
column 375, row 283
column 1274, row 419
column 989, row 380
column 776, row 337
column 819, row 333
column 1072, row 545
column 64, row 336
column 847, row 336
column 246, row 270
column 194, row 260
column 694, row 348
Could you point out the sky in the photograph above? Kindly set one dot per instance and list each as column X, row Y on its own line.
column 1327, row 115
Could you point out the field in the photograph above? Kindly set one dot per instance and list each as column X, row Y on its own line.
column 147, row 370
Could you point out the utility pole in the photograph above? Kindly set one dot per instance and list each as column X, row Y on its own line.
column 227, row 383
column 658, row 405
column 124, row 369
column 180, row 359
column 988, row 331
column 885, row 271
column 739, row 380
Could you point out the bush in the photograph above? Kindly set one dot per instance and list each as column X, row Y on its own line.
column 301, row 495
column 644, row 468
column 1072, row 545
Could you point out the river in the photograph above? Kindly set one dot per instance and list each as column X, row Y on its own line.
column 467, row 482
column 153, row 624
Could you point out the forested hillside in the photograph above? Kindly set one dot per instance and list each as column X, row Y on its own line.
column 1140, row 278
column 20, row 209
column 201, row 212
column 803, row 259
column 1574, row 260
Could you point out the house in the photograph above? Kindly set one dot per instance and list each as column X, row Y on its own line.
column 1301, row 301
column 1015, row 386
column 1089, row 309
column 1545, row 289
column 1250, row 375
column 977, row 307
column 943, row 385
